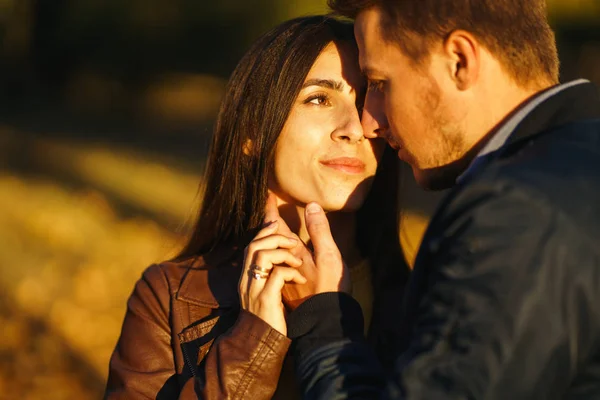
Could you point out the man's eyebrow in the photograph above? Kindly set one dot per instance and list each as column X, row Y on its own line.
column 368, row 71
column 326, row 83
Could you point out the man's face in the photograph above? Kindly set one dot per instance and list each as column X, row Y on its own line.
column 414, row 107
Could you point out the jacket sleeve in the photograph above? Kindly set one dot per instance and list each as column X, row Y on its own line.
column 245, row 362
column 504, row 311
column 142, row 365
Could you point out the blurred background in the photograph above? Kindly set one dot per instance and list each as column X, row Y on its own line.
column 106, row 108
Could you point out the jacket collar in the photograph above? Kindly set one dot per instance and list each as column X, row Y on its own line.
column 212, row 280
column 575, row 103
column 579, row 101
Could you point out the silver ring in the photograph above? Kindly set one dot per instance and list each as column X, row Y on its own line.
column 258, row 276
column 259, row 272
column 258, row 268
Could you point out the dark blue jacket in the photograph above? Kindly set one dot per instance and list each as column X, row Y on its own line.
column 504, row 302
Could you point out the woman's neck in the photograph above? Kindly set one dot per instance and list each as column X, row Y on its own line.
column 343, row 229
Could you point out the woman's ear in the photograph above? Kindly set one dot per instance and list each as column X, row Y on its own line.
column 247, row 149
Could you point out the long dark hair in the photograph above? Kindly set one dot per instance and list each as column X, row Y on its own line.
column 257, row 102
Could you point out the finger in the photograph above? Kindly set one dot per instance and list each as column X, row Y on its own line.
column 269, row 229
column 244, row 282
column 243, row 288
column 319, row 231
column 267, row 258
column 279, row 276
column 256, row 284
column 272, row 242
column 271, row 210
column 272, row 214
column 268, row 242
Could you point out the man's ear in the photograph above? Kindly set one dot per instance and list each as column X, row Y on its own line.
column 463, row 53
column 247, row 149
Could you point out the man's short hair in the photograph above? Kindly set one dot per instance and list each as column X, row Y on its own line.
column 516, row 32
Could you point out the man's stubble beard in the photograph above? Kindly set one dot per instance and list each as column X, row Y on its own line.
column 449, row 145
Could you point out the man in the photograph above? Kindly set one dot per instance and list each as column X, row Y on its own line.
column 503, row 303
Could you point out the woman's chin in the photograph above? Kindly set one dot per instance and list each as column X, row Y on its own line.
column 349, row 204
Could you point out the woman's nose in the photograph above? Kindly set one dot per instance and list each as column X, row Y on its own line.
column 350, row 127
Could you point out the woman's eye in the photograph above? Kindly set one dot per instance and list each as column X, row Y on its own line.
column 319, row 100
column 375, row 86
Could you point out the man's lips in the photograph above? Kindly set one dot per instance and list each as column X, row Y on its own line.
column 394, row 145
column 397, row 147
column 392, row 141
column 399, row 150
column 349, row 165
column 403, row 155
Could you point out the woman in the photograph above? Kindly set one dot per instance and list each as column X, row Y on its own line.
column 289, row 124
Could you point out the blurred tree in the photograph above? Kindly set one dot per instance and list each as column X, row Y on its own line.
column 562, row 10
column 50, row 63
column 16, row 48
column 52, row 43
column 294, row 8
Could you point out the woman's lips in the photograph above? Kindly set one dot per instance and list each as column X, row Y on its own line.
column 348, row 165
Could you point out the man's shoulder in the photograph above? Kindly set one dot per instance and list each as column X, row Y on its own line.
column 558, row 171
column 559, row 166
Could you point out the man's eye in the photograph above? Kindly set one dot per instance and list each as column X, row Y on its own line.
column 375, row 86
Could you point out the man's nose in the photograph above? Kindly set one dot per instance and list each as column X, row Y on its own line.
column 374, row 120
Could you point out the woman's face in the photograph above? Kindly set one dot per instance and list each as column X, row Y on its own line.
column 321, row 153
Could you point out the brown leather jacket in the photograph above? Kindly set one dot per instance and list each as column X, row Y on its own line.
column 179, row 311
column 174, row 315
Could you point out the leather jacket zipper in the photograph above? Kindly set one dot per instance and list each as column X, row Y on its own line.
column 188, row 361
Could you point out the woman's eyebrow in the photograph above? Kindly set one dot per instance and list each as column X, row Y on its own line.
column 326, row 83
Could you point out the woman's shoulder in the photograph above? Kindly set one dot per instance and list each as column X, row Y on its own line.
column 199, row 280
column 166, row 275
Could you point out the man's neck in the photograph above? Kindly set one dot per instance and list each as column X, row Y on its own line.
column 503, row 106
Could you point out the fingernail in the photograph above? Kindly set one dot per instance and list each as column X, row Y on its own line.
column 313, row 208
column 293, row 240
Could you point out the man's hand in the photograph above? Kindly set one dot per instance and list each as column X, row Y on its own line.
column 333, row 272
column 324, row 271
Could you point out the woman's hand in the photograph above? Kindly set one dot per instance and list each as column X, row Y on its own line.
column 264, row 275
column 333, row 274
